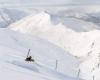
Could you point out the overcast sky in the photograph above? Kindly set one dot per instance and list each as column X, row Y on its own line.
column 85, row 1
column 52, row 1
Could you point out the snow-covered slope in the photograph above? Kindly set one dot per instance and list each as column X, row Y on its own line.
column 85, row 45
column 66, row 38
column 49, row 19
column 83, row 16
column 91, row 65
column 11, row 15
column 13, row 50
column 75, row 29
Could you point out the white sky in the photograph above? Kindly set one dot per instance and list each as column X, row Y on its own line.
column 36, row 1
column 85, row 1
column 52, row 1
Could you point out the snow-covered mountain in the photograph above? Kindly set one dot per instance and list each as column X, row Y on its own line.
column 64, row 41
column 8, row 16
column 42, row 26
column 11, row 15
column 77, row 34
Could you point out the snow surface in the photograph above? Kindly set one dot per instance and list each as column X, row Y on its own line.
column 13, row 50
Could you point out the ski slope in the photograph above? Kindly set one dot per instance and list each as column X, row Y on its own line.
column 13, row 51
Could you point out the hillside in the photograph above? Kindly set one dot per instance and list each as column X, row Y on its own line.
column 13, row 51
column 82, row 44
column 41, row 25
